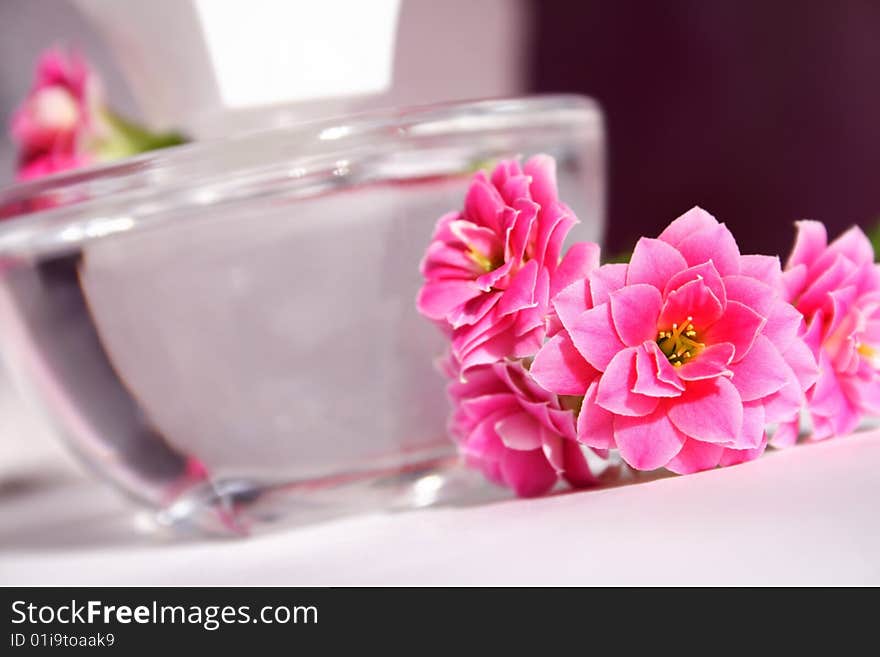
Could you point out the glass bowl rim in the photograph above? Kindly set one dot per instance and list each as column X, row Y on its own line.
column 77, row 205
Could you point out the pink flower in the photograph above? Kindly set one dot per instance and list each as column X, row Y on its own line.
column 516, row 432
column 49, row 163
column 60, row 114
column 683, row 355
column 837, row 288
column 492, row 267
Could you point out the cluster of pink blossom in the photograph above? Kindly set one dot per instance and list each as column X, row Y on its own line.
column 64, row 122
column 686, row 358
column 57, row 124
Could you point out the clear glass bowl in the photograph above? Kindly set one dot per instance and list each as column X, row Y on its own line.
column 227, row 330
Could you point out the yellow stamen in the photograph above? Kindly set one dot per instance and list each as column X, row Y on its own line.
column 483, row 261
column 680, row 344
column 870, row 353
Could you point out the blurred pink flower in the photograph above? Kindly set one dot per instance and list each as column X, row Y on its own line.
column 48, row 163
column 516, row 432
column 684, row 354
column 492, row 268
column 837, row 288
column 64, row 123
column 60, row 115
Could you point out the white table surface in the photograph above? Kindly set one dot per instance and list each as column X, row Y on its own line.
column 808, row 515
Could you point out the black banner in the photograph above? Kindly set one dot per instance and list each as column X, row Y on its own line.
column 134, row 620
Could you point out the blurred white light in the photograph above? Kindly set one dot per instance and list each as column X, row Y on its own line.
column 102, row 227
column 72, row 234
column 266, row 51
column 426, row 490
column 336, row 132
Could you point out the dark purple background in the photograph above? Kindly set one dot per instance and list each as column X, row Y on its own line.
column 760, row 112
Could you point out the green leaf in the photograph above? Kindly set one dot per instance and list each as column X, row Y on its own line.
column 126, row 138
column 874, row 236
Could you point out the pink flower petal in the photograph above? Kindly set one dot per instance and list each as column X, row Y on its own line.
column 823, row 428
column 514, row 187
column 705, row 271
column 523, row 346
column 634, row 311
column 615, row 391
column 491, row 346
column 521, row 292
column 665, row 371
column 578, row 262
column 716, row 244
column 606, row 280
column 554, row 225
column 442, row 233
column 572, row 301
column 712, row 361
column 648, row 381
column 522, row 218
column 783, row 323
column 654, row 262
column 491, row 405
column 855, row 245
column 802, row 367
column 542, row 299
column 752, row 434
column 739, row 325
column 467, row 337
column 542, row 169
column 843, row 301
column 552, row 446
column 692, row 221
column 518, row 379
column 710, row 411
column 647, row 443
column 762, row 373
column 483, row 204
column 595, row 425
column 437, row 299
column 736, row 456
column 751, row 292
column 785, row 404
column 786, row 434
column 560, row 368
column 793, row 282
column 52, row 162
column 519, row 431
column 478, row 238
column 474, row 310
column 813, row 335
column 694, row 300
column 595, row 337
column 764, row 268
column 809, row 243
column 479, row 382
column 562, row 422
column 444, row 261
column 504, row 171
column 577, row 471
column 482, row 449
column 803, row 364
column 865, row 395
column 815, row 296
column 828, row 400
column 695, row 456
column 529, row 474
